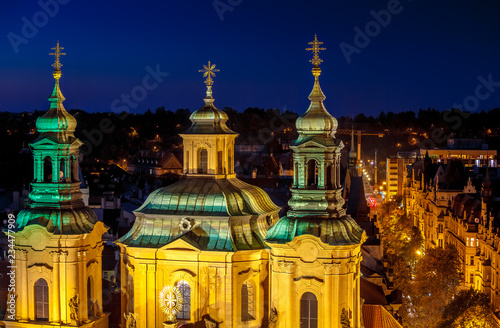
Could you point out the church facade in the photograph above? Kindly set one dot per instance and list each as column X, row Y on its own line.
column 58, row 240
column 221, row 243
column 211, row 247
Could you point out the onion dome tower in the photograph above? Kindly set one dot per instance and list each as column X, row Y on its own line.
column 203, row 234
column 353, row 158
column 316, row 248
column 58, row 239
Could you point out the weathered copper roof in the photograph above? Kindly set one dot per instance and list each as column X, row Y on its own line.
column 225, row 214
column 342, row 231
column 66, row 221
column 208, row 196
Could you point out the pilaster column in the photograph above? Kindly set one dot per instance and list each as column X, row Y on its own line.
column 72, row 285
column 328, row 296
column 22, row 284
column 56, row 289
column 82, row 260
column 151, row 295
column 336, row 294
column 55, row 169
column 63, row 265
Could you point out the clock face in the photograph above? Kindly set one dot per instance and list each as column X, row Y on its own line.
column 170, row 299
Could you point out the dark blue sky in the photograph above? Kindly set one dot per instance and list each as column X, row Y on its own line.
column 429, row 55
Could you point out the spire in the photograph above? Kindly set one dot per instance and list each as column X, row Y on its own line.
column 316, row 119
column 209, row 72
column 209, row 119
column 57, row 120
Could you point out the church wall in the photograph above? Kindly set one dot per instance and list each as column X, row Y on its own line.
column 215, row 279
column 331, row 273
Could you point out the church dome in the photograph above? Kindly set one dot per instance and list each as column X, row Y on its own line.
column 220, row 215
column 56, row 119
column 342, row 231
column 208, row 196
column 209, row 119
column 316, row 120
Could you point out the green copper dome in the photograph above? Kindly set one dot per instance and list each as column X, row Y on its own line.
column 316, row 120
column 342, row 231
column 56, row 119
column 208, row 196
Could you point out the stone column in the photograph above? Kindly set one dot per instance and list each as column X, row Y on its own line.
column 56, row 289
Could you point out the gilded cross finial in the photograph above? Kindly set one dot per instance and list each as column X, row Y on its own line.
column 316, row 61
column 57, row 54
column 209, row 72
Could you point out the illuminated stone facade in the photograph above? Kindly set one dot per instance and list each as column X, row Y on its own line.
column 221, row 242
column 204, row 234
column 316, row 248
column 58, row 242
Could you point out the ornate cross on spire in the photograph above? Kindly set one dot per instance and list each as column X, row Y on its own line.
column 208, row 72
column 316, row 61
column 57, row 54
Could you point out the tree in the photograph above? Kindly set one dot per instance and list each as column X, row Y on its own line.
column 437, row 278
column 469, row 308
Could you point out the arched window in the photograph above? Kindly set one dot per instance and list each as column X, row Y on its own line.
column 90, row 302
column 47, row 169
column 230, row 162
column 42, row 299
column 329, row 176
column 308, row 311
column 312, row 173
column 219, row 163
column 296, row 174
column 203, row 161
column 74, row 169
column 185, row 289
column 247, row 302
column 62, row 170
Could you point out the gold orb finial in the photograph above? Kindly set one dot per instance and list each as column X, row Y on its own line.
column 316, row 61
column 57, row 64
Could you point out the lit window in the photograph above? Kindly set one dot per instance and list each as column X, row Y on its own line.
column 185, row 289
column 42, row 299
column 203, row 161
column 308, row 311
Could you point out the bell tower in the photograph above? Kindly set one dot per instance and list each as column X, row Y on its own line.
column 58, row 244
column 209, row 143
column 316, row 249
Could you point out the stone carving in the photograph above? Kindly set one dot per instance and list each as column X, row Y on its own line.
column 273, row 317
column 130, row 320
column 98, row 310
column 344, row 319
column 283, row 267
column 74, row 303
column 210, row 323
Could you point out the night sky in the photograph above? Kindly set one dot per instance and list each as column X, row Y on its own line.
column 430, row 54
